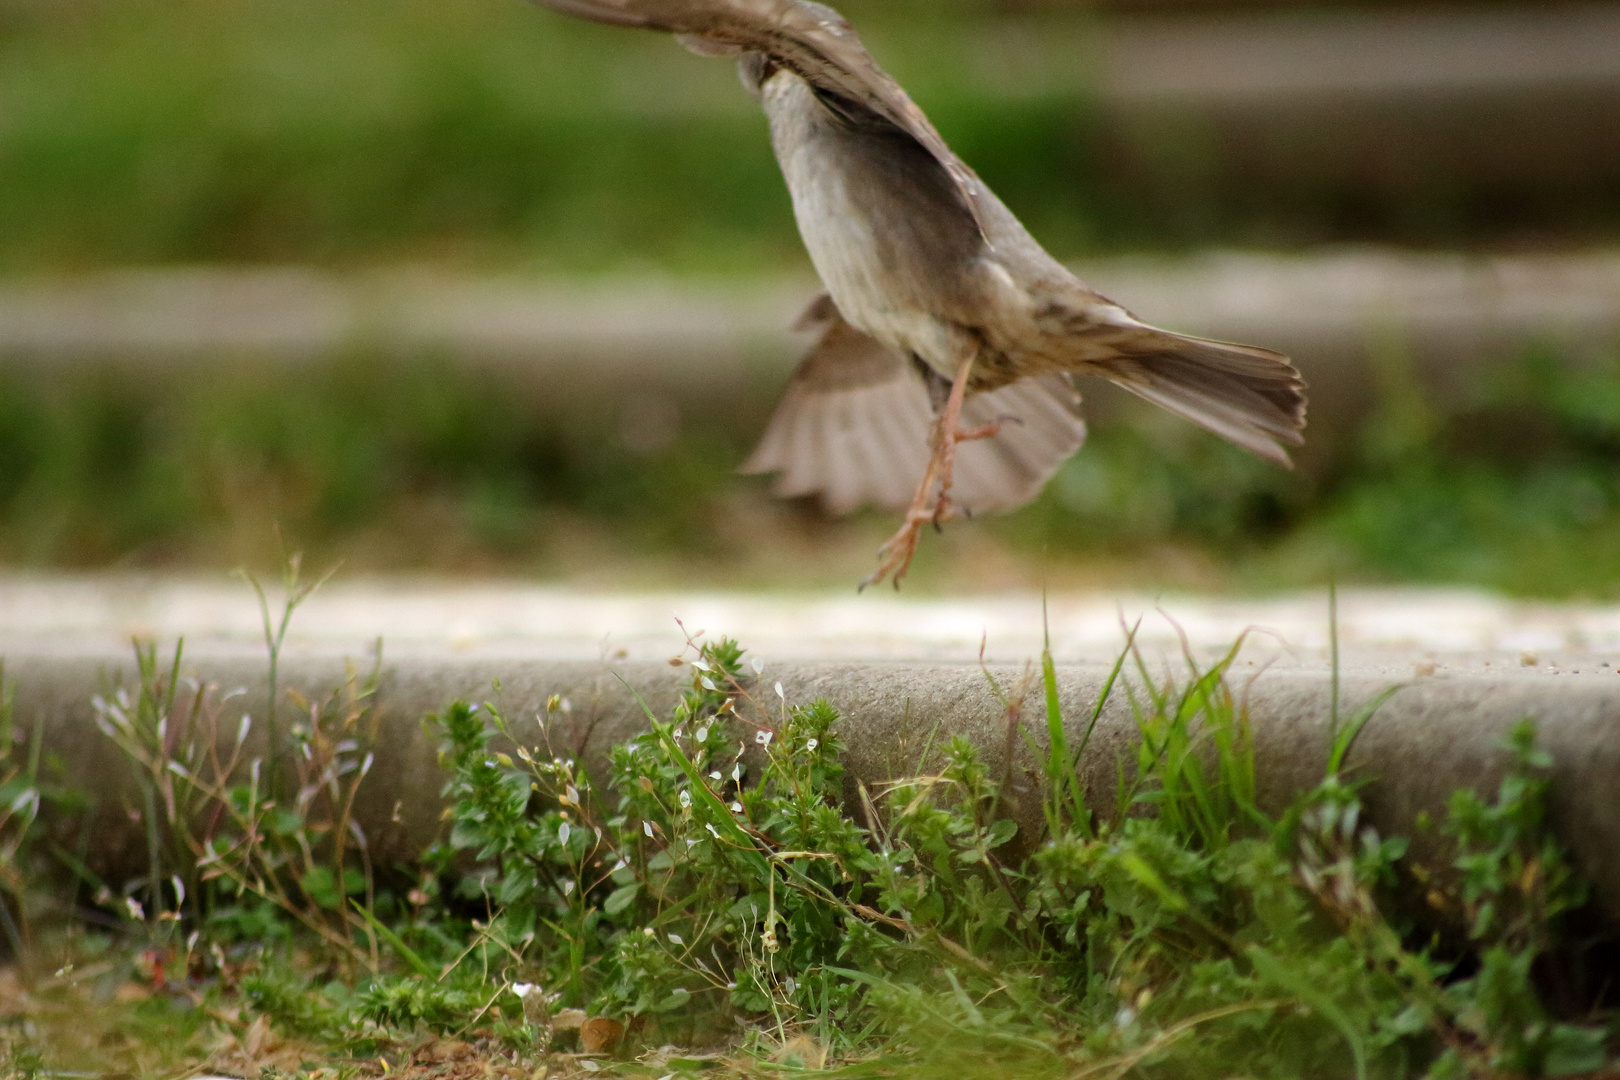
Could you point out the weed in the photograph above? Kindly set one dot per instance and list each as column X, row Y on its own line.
column 711, row 896
column 220, row 833
column 19, row 807
column 715, row 892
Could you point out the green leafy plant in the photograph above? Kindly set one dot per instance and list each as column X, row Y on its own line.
column 726, row 886
column 226, row 844
column 727, row 882
column 1517, row 886
column 19, row 809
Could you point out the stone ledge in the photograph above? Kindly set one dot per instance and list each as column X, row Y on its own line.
column 571, row 350
column 1440, row 731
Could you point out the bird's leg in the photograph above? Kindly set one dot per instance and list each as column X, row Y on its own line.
column 943, row 510
column 897, row 552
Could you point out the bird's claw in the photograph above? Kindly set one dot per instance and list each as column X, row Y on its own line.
column 897, row 551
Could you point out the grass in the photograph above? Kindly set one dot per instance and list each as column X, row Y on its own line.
column 143, row 131
column 422, row 465
column 715, row 906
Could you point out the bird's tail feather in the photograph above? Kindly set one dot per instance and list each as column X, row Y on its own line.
column 1252, row 397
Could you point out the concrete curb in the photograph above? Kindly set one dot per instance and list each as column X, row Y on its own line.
column 1433, row 736
column 569, row 350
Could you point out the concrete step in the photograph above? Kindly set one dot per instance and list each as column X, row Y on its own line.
column 1419, row 53
column 1342, row 314
column 1463, row 669
column 1425, row 123
column 1396, row 633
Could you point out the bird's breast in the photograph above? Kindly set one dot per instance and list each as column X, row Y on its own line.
column 881, row 224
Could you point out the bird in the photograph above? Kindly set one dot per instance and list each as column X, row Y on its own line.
column 947, row 341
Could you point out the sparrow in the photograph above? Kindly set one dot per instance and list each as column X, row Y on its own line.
column 947, row 341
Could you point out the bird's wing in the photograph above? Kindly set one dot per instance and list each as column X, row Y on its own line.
column 1041, row 428
column 853, row 428
column 810, row 39
column 853, row 425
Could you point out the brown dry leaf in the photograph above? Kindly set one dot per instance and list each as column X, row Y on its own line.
column 257, row 1039
column 803, row 1051
column 568, row 1019
column 230, row 1015
column 600, row 1035
column 446, row 1050
column 130, row 992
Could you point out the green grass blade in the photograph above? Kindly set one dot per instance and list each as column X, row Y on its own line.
column 1345, row 738
column 395, row 942
column 1300, row 985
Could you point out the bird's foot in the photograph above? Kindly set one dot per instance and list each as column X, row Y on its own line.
column 896, row 553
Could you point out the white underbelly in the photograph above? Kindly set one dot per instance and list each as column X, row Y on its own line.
column 844, row 247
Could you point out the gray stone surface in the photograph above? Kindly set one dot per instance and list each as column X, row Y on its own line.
column 569, row 349
column 1468, row 667
column 1417, row 52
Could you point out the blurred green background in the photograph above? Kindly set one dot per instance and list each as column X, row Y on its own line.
column 486, row 136
column 139, row 131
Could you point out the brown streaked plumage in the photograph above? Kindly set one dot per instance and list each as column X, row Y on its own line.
column 853, row 428
column 949, row 336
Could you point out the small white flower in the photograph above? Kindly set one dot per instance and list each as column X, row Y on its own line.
column 736, row 772
column 562, row 833
column 568, row 887
column 571, row 795
column 712, row 830
column 647, row 931
column 677, row 939
column 758, row 665
column 523, row 990
column 133, row 906
column 779, row 692
column 790, row 985
column 736, row 808
column 702, row 665
column 703, row 733
column 706, row 682
column 646, row 827
column 621, row 864
column 731, row 986
column 763, row 738
column 686, row 798
column 812, row 744
column 715, row 775
column 690, row 844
